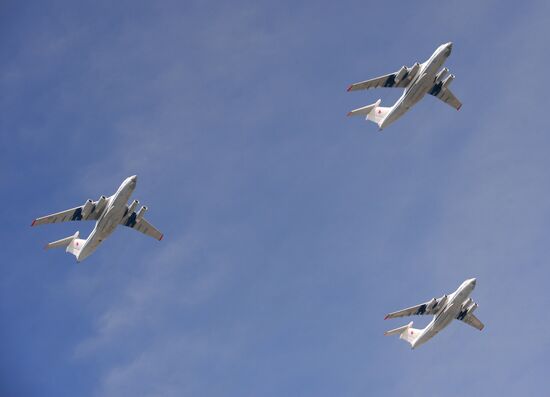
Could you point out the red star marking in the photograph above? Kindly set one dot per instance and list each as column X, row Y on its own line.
column 379, row 111
column 412, row 333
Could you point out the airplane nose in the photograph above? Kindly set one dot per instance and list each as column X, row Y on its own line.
column 473, row 281
column 133, row 178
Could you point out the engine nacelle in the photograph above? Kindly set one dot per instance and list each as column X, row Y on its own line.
column 471, row 307
column 132, row 207
column 443, row 300
column 101, row 203
column 467, row 303
column 448, row 80
column 468, row 307
column 414, row 70
column 140, row 213
column 402, row 73
column 431, row 304
column 87, row 208
column 441, row 74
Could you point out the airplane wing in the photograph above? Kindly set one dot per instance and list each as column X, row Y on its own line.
column 86, row 212
column 142, row 225
column 146, row 228
column 428, row 308
column 447, row 96
column 473, row 321
column 399, row 79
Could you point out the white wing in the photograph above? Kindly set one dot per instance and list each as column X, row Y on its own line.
column 429, row 308
column 86, row 212
column 146, row 228
column 132, row 220
column 446, row 96
column 473, row 321
column 399, row 79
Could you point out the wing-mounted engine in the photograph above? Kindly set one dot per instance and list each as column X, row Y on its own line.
column 100, row 205
column 468, row 307
column 403, row 72
column 87, row 209
column 442, row 81
column 413, row 71
column 448, row 80
column 132, row 217
column 405, row 75
column 435, row 305
column 140, row 213
column 441, row 75
column 432, row 304
column 131, row 208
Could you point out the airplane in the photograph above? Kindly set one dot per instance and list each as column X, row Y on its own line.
column 418, row 80
column 457, row 306
column 108, row 212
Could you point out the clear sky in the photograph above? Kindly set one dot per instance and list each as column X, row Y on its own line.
column 290, row 230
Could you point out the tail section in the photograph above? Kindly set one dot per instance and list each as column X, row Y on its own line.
column 406, row 332
column 374, row 112
column 72, row 243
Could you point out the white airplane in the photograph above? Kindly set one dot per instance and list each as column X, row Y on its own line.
column 109, row 212
column 418, row 80
column 457, row 306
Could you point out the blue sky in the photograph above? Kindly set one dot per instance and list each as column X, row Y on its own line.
column 290, row 230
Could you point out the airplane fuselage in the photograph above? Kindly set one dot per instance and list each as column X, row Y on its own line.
column 420, row 85
column 448, row 313
column 114, row 211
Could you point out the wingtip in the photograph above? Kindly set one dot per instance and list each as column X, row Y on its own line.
column 33, row 222
column 161, row 237
column 349, row 114
column 458, row 108
column 349, row 88
column 387, row 316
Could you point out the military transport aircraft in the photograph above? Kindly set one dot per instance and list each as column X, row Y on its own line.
column 418, row 80
column 109, row 212
column 457, row 306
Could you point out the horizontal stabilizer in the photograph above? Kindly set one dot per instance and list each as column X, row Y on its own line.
column 374, row 112
column 64, row 242
column 399, row 330
column 73, row 244
column 406, row 332
column 365, row 110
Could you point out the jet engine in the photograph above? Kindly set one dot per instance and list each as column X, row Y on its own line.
column 467, row 303
column 87, row 208
column 414, row 69
column 101, row 203
column 140, row 213
column 402, row 73
column 132, row 207
column 443, row 300
column 469, row 306
column 432, row 304
column 448, row 80
column 441, row 74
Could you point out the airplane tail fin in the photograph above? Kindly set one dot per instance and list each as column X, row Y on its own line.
column 72, row 243
column 373, row 112
column 406, row 332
